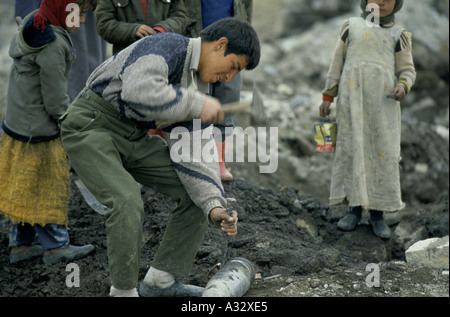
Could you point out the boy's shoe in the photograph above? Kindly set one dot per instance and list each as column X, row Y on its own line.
column 67, row 253
column 177, row 289
column 381, row 229
column 24, row 253
column 348, row 222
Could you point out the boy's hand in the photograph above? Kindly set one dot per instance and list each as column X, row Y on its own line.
column 212, row 111
column 224, row 221
column 144, row 30
column 325, row 108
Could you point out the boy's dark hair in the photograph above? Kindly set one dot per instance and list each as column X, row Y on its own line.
column 242, row 39
column 93, row 3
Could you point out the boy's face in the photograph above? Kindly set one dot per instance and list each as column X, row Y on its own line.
column 386, row 6
column 81, row 18
column 215, row 67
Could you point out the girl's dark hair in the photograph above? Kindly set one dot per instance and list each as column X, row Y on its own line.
column 242, row 39
column 93, row 3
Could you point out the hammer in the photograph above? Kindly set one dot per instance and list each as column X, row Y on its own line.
column 256, row 106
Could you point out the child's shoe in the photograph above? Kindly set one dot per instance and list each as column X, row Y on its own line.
column 380, row 228
column 67, row 253
column 23, row 252
column 349, row 222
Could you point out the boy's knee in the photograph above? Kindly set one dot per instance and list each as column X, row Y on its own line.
column 128, row 209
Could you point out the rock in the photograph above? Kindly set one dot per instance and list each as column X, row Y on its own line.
column 424, row 110
column 307, row 226
column 431, row 252
column 407, row 233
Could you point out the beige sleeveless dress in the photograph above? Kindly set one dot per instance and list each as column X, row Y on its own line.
column 366, row 166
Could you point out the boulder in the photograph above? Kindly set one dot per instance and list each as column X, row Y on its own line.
column 431, row 252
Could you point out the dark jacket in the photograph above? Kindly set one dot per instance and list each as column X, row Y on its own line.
column 118, row 20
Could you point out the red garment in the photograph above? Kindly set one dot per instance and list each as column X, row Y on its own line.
column 144, row 6
column 52, row 12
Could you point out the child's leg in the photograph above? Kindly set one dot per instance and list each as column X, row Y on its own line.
column 21, row 241
column 55, row 241
column 52, row 236
column 350, row 220
column 21, row 235
column 357, row 211
column 380, row 228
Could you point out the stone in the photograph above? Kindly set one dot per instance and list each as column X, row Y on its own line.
column 431, row 252
column 407, row 233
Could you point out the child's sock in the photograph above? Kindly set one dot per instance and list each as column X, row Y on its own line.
column 376, row 215
column 158, row 278
column 357, row 211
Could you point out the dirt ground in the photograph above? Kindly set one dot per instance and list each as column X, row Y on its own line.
column 291, row 259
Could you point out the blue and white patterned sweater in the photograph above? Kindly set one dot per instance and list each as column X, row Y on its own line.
column 154, row 80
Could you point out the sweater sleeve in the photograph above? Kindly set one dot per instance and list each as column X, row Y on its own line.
column 147, row 95
column 337, row 62
column 404, row 62
column 195, row 163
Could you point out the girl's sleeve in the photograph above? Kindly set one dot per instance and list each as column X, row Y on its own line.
column 53, row 66
column 404, row 62
column 337, row 63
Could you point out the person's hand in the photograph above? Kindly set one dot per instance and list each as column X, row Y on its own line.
column 224, row 221
column 144, row 30
column 212, row 111
column 399, row 92
column 324, row 109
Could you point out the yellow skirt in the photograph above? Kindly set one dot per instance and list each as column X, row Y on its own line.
column 34, row 181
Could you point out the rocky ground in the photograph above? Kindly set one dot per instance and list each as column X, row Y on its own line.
column 286, row 227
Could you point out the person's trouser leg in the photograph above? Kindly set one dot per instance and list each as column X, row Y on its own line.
column 95, row 157
column 52, row 236
column 226, row 92
column 21, row 234
column 187, row 224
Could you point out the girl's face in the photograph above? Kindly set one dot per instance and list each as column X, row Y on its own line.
column 386, row 6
